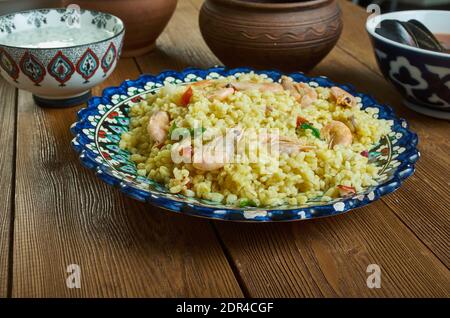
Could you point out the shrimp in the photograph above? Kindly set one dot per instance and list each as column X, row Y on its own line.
column 158, row 127
column 345, row 191
column 337, row 133
column 289, row 85
column 291, row 146
column 262, row 87
column 342, row 97
column 217, row 152
column 352, row 124
column 284, row 144
column 222, row 93
column 302, row 92
column 309, row 94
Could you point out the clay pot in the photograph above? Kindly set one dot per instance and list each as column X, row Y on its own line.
column 287, row 35
column 144, row 20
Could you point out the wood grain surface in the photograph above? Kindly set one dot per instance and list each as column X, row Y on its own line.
column 63, row 214
column 7, row 138
column 329, row 257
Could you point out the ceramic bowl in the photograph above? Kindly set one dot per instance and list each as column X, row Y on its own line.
column 287, row 35
column 59, row 54
column 421, row 76
column 100, row 126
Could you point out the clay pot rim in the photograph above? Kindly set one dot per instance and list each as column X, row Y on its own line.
column 281, row 6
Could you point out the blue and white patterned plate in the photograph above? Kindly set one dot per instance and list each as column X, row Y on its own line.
column 101, row 124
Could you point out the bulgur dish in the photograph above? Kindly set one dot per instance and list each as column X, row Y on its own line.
column 249, row 141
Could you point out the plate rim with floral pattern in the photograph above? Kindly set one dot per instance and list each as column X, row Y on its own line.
column 100, row 124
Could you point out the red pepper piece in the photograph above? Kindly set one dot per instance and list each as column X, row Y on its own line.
column 301, row 120
column 346, row 190
column 186, row 97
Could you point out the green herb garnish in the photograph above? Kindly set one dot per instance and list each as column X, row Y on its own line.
column 313, row 129
column 247, row 202
column 172, row 128
column 192, row 131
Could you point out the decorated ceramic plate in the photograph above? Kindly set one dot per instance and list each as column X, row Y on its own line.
column 100, row 126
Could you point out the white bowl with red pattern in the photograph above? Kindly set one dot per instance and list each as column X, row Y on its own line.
column 59, row 54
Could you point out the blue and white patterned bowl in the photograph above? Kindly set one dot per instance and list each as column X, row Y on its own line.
column 101, row 124
column 421, row 76
column 59, row 54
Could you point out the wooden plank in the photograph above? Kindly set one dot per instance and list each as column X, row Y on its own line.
column 7, row 140
column 264, row 256
column 354, row 39
column 65, row 215
column 197, row 4
column 425, row 212
column 329, row 257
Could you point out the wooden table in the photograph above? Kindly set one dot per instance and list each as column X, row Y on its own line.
column 54, row 212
